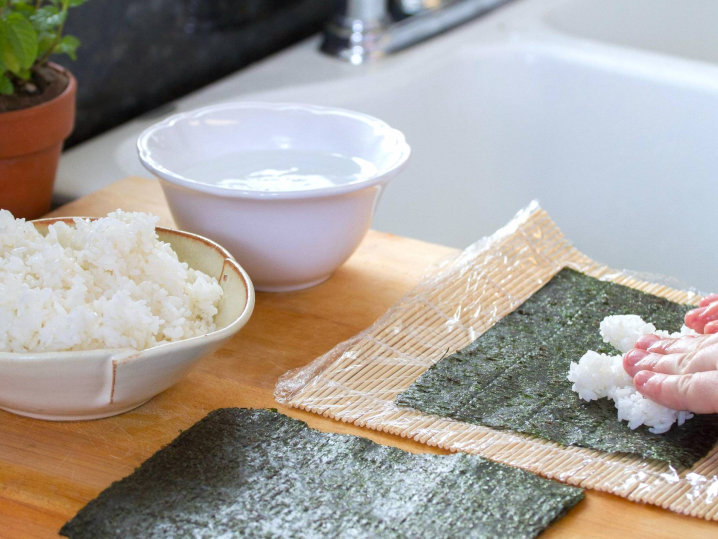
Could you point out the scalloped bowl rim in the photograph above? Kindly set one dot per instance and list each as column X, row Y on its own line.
column 216, row 335
column 402, row 151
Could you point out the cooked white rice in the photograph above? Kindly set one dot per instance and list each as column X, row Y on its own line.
column 623, row 331
column 598, row 376
column 109, row 283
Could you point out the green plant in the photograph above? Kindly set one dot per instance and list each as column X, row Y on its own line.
column 30, row 32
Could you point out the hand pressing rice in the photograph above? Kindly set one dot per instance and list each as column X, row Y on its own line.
column 109, row 283
column 680, row 372
column 598, row 376
column 623, row 331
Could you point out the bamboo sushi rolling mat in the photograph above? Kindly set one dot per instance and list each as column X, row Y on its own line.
column 358, row 381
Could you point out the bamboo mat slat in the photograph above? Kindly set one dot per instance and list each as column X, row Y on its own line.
column 456, row 302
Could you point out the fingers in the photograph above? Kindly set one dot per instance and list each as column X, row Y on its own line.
column 680, row 345
column 698, row 318
column 646, row 341
column 711, row 328
column 708, row 300
column 695, row 392
column 674, row 356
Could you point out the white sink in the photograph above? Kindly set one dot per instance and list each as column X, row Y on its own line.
column 618, row 144
column 685, row 28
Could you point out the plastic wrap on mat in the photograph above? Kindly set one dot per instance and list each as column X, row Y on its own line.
column 456, row 302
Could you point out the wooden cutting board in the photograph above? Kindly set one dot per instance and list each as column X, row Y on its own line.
column 48, row 471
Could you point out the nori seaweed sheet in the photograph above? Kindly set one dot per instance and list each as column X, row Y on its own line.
column 514, row 376
column 259, row 474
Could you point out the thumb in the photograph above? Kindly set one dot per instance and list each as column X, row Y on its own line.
column 696, row 392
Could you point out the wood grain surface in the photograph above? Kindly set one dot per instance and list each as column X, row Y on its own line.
column 48, row 471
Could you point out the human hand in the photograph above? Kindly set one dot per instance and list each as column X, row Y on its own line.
column 704, row 319
column 681, row 374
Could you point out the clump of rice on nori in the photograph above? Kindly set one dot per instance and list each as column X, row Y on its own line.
column 622, row 331
column 108, row 283
column 514, row 375
column 258, row 474
column 599, row 376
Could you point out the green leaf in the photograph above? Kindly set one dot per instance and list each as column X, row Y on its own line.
column 6, row 87
column 48, row 19
column 10, row 60
column 45, row 42
column 75, row 3
column 7, row 56
column 68, row 45
column 23, row 7
column 22, row 38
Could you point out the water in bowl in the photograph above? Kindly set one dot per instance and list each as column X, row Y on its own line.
column 281, row 170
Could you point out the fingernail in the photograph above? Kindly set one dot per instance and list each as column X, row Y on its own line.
column 658, row 346
column 642, row 378
column 634, row 356
column 693, row 314
column 646, row 341
column 711, row 327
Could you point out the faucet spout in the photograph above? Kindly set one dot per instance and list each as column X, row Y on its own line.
column 363, row 30
column 356, row 30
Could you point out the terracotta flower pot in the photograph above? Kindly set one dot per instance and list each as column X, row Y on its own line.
column 30, row 145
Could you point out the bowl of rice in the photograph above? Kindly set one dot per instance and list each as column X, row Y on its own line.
column 97, row 316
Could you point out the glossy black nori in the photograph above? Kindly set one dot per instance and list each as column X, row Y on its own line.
column 514, row 376
column 242, row 473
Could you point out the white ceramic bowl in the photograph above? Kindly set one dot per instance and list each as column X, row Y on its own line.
column 286, row 240
column 66, row 386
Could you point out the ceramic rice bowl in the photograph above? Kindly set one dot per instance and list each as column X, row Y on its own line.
column 78, row 385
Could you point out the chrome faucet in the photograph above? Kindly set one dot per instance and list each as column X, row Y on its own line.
column 362, row 30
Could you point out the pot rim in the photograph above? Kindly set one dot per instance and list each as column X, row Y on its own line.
column 70, row 89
